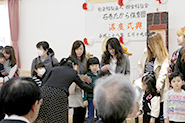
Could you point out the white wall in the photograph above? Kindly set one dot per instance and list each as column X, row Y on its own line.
column 61, row 22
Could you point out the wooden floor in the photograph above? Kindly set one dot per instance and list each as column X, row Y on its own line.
column 129, row 120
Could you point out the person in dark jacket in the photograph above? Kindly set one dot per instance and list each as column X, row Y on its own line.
column 20, row 99
column 55, row 91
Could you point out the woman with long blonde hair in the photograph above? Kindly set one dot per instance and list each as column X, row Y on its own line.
column 180, row 42
column 156, row 59
column 180, row 64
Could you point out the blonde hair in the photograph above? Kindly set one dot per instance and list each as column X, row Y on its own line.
column 155, row 45
column 181, row 31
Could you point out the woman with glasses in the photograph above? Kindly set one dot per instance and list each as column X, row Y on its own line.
column 156, row 59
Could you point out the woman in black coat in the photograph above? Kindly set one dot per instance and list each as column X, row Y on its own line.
column 55, row 92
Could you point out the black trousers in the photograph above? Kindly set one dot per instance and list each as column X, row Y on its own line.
column 146, row 119
column 79, row 115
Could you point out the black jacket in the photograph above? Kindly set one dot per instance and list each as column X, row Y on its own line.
column 180, row 65
column 62, row 77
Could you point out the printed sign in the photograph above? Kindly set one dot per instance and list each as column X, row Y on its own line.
column 112, row 20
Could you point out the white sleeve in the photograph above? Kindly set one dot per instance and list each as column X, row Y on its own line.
column 163, row 73
column 155, row 106
column 165, row 106
column 11, row 73
column 72, row 88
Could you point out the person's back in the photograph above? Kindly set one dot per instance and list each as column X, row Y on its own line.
column 114, row 98
column 20, row 99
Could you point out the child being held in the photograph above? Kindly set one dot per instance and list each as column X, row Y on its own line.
column 174, row 102
column 38, row 73
column 93, row 67
column 151, row 100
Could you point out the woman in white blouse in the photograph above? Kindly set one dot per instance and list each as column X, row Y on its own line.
column 114, row 59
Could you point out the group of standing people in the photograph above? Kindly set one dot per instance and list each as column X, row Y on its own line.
column 73, row 79
column 57, row 82
column 160, row 104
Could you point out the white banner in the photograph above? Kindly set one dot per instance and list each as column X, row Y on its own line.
column 111, row 20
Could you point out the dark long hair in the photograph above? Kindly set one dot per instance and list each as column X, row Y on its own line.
column 150, row 80
column 10, row 50
column 114, row 43
column 76, row 45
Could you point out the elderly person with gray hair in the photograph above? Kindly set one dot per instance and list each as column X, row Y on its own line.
column 114, row 97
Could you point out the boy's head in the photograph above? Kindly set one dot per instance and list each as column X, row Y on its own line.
column 176, row 80
column 1, row 57
column 93, row 64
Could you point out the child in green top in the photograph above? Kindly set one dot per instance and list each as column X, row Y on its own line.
column 93, row 67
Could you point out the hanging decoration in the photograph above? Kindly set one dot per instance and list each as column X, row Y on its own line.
column 121, row 40
column 85, row 41
column 87, row 6
column 120, row 2
column 126, row 52
column 159, row 1
column 84, row 6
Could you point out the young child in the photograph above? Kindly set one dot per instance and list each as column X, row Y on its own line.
column 174, row 103
column 93, row 67
column 2, row 71
column 151, row 100
column 39, row 73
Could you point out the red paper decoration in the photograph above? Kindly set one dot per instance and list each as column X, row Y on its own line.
column 84, row 6
column 159, row 1
column 85, row 41
column 120, row 2
column 121, row 40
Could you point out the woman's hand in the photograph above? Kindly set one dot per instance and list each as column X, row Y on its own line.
column 166, row 120
column 158, row 89
column 85, row 103
column 152, row 120
column 105, row 68
column 88, row 79
column 138, row 114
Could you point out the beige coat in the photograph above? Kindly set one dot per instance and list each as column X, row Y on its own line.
column 160, row 71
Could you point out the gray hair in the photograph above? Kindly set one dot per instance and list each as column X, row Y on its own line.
column 114, row 97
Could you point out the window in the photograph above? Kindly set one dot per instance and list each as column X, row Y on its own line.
column 4, row 25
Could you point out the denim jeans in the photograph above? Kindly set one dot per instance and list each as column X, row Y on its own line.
column 90, row 117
